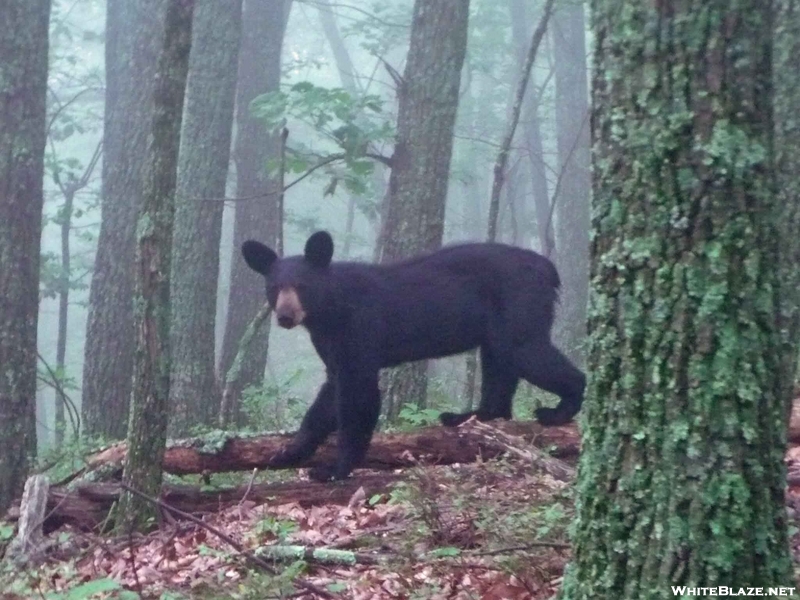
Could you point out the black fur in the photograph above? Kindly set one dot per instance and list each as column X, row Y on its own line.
column 364, row 317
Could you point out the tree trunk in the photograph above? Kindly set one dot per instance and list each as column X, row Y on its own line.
column 682, row 478
column 511, row 128
column 147, row 429
column 573, row 191
column 787, row 141
column 256, row 211
column 133, row 28
column 202, row 173
column 63, row 314
column 23, row 90
column 428, row 102
column 533, row 139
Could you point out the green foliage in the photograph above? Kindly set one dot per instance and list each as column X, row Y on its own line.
column 337, row 120
column 384, row 27
column 59, row 463
column 87, row 590
column 277, row 529
column 26, row 584
column 412, row 416
column 273, row 405
column 259, row 585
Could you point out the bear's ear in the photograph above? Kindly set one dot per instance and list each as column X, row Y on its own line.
column 319, row 249
column 258, row 257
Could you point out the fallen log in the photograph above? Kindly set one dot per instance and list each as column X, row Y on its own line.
column 222, row 452
column 86, row 505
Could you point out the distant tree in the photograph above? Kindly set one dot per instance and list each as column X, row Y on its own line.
column 147, row 429
column 573, row 187
column 428, row 101
column 347, row 75
column 681, row 479
column 202, row 173
column 533, row 140
column 132, row 32
column 23, row 90
column 256, row 207
column 75, row 101
column 69, row 186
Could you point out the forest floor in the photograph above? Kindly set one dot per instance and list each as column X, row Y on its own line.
column 493, row 530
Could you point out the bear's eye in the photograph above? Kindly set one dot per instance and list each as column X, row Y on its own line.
column 272, row 289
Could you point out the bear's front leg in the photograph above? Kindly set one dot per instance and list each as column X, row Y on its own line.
column 358, row 405
column 318, row 423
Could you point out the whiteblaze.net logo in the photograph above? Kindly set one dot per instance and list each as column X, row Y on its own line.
column 684, row 591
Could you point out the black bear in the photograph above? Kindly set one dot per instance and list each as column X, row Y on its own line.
column 364, row 317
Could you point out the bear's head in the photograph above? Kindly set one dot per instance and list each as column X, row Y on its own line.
column 297, row 286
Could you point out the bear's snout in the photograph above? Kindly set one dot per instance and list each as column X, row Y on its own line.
column 285, row 321
column 288, row 308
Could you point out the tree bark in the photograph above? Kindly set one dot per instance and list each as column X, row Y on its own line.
column 256, row 211
column 133, row 29
column 428, row 102
column 202, row 173
column 147, row 429
column 573, row 190
column 787, row 140
column 23, row 90
column 682, row 478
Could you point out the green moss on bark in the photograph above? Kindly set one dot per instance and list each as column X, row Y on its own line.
column 23, row 89
column 147, row 427
column 681, row 479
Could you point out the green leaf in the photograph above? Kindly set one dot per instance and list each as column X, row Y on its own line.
column 90, row 588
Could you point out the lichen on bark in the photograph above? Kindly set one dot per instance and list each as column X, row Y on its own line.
column 681, row 479
column 23, row 89
column 147, row 426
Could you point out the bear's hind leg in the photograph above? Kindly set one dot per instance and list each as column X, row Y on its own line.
column 498, row 385
column 318, row 423
column 543, row 365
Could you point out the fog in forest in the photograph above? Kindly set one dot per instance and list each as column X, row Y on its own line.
column 337, row 60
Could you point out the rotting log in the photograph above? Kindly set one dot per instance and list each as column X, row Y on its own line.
column 220, row 452
column 86, row 505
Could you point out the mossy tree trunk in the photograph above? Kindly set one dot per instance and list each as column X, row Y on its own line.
column 428, row 102
column 681, row 479
column 787, row 142
column 202, row 173
column 132, row 32
column 256, row 210
column 573, row 190
column 147, row 429
column 23, row 90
